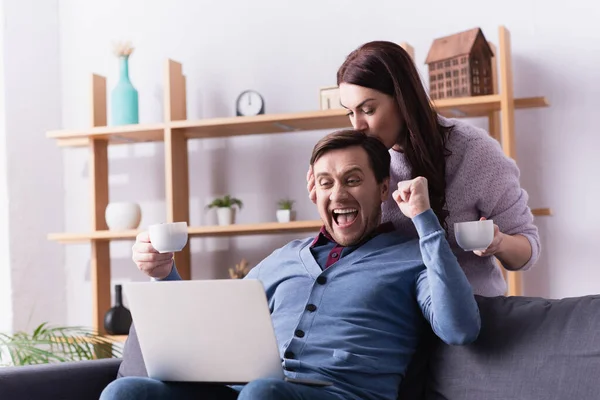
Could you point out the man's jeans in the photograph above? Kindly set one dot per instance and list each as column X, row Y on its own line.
column 139, row 388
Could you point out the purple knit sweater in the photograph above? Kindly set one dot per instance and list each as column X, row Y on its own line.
column 480, row 182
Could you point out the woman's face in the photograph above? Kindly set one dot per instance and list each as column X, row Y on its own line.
column 372, row 112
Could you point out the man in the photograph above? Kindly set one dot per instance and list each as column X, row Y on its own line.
column 346, row 306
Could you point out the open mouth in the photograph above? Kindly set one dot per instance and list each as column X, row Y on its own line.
column 344, row 216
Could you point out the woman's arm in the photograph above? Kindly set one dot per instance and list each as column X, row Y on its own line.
column 493, row 179
column 513, row 251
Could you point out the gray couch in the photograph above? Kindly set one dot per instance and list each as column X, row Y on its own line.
column 528, row 349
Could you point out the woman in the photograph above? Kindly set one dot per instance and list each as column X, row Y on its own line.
column 469, row 176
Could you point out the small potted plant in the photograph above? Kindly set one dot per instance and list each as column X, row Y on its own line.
column 240, row 270
column 225, row 209
column 285, row 213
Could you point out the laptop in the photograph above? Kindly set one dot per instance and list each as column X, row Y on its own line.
column 217, row 331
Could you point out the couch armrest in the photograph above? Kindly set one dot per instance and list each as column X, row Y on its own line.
column 80, row 380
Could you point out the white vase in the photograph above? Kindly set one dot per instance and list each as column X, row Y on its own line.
column 286, row 215
column 122, row 216
column 226, row 215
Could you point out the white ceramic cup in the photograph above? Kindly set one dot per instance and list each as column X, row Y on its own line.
column 474, row 235
column 168, row 237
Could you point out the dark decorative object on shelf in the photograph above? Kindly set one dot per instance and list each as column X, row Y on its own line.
column 117, row 320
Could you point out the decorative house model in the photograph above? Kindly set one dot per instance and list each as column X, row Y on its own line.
column 460, row 65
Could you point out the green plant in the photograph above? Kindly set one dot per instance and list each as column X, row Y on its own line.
column 240, row 270
column 225, row 201
column 285, row 204
column 48, row 344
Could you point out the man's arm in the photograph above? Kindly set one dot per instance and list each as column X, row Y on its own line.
column 442, row 289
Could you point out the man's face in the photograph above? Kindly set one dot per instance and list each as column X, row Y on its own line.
column 348, row 195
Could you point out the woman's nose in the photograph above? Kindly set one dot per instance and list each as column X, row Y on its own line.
column 360, row 124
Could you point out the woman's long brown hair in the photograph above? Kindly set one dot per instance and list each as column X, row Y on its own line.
column 387, row 68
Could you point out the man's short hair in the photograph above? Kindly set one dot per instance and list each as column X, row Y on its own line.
column 379, row 156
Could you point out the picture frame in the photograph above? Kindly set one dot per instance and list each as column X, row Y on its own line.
column 329, row 98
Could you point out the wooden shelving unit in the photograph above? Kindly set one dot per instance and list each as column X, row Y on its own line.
column 273, row 123
column 117, row 338
column 203, row 231
column 176, row 131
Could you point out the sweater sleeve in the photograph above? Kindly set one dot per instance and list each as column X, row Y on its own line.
column 494, row 180
column 443, row 292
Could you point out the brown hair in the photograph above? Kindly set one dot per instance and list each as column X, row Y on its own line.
column 387, row 68
column 379, row 157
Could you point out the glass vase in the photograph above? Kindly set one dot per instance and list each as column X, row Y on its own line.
column 124, row 97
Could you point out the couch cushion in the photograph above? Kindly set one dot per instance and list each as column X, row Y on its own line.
column 133, row 362
column 73, row 380
column 528, row 349
column 415, row 379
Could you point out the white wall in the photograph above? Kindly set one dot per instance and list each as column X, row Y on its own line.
column 34, row 166
column 287, row 51
column 5, row 280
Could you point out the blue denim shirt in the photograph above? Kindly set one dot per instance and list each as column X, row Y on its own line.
column 358, row 322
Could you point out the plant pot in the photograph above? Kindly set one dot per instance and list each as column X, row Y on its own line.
column 123, row 215
column 286, row 215
column 226, row 215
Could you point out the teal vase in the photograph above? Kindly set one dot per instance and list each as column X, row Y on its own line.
column 124, row 97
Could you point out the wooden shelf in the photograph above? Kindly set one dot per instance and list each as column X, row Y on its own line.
column 541, row 212
column 482, row 106
column 272, row 123
column 217, row 231
column 256, row 229
column 263, row 124
column 114, row 134
column 117, row 338
column 202, row 231
column 97, row 235
column 111, row 338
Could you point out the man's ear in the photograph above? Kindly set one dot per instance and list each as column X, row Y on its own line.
column 385, row 189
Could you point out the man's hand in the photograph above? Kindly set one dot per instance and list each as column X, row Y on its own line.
column 412, row 197
column 149, row 260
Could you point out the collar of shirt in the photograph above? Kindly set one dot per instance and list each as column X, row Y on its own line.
column 324, row 237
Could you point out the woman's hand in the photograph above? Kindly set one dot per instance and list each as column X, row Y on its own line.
column 310, row 185
column 496, row 244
